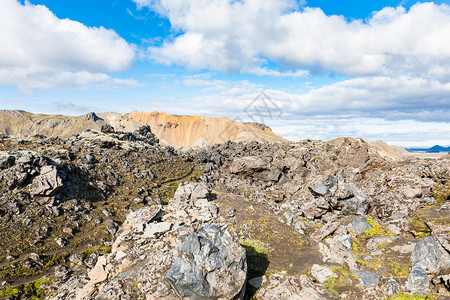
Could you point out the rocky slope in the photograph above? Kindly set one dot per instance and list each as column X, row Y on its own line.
column 172, row 130
column 116, row 215
column 383, row 149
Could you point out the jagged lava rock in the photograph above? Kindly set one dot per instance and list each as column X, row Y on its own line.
column 210, row 265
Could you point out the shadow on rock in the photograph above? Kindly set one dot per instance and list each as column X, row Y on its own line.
column 257, row 264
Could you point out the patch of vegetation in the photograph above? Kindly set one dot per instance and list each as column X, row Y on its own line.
column 442, row 193
column 399, row 270
column 100, row 249
column 345, row 279
column 420, row 229
column 377, row 229
column 8, row 292
column 166, row 193
column 27, row 268
column 33, row 290
column 404, row 296
column 257, row 246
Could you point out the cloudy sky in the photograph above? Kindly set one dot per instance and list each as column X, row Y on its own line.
column 373, row 69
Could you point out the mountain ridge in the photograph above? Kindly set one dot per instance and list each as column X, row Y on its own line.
column 173, row 130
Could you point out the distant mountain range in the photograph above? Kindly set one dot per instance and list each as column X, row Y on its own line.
column 173, row 130
column 434, row 149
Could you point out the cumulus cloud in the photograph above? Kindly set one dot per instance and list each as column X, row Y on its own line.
column 392, row 98
column 242, row 35
column 404, row 133
column 41, row 51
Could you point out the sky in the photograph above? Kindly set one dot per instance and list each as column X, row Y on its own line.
column 311, row 69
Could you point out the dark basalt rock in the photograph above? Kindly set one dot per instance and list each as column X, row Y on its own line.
column 209, row 266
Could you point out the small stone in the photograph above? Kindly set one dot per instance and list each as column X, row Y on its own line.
column 392, row 287
column 138, row 200
column 61, row 242
column 322, row 273
column 359, row 225
column 34, row 256
column 156, row 229
column 367, row 278
column 256, row 282
column 324, row 231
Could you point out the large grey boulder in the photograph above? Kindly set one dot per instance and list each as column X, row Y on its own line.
column 210, row 265
column 6, row 160
column 47, row 182
column 417, row 279
column 430, row 255
column 327, row 186
column 358, row 204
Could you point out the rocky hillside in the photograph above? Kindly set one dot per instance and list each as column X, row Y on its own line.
column 172, row 130
column 116, row 215
column 383, row 149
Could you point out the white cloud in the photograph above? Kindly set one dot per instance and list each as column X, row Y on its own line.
column 230, row 35
column 41, row 51
column 404, row 133
column 405, row 111
column 392, row 98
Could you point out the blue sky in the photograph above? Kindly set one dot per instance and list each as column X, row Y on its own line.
column 374, row 69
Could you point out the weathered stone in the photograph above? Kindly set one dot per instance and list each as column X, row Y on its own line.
column 358, row 204
column 359, row 225
column 280, row 289
column 430, row 255
column 324, row 231
column 256, row 282
column 391, row 286
column 337, row 253
column 323, row 188
column 98, row 273
column 156, row 229
column 367, row 278
column 47, row 182
column 417, row 279
column 6, row 160
column 441, row 233
column 322, row 273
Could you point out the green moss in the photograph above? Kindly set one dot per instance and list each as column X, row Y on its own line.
column 195, row 176
column 419, row 227
column 166, row 193
column 100, row 249
column 19, row 269
column 399, row 270
column 8, row 292
column 403, row 296
column 442, row 193
column 255, row 245
column 343, row 279
column 34, row 290
column 377, row 229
